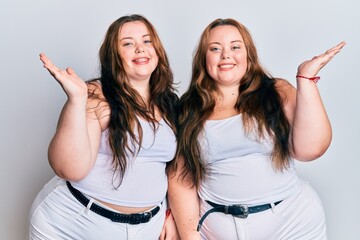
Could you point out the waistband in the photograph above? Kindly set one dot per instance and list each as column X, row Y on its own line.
column 134, row 218
column 238, row 210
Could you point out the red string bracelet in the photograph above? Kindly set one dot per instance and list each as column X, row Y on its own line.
column 314, row 79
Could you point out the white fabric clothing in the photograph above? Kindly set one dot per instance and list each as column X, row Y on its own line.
column 56, row 214
column 240, row 171
column 235, row 160
column 145, row 181
column 299, row 217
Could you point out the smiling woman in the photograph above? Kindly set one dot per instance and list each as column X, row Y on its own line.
column 226, row 56
column 138, row 54
column 112, row 132
column 240, row 131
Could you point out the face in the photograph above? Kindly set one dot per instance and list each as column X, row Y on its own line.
column 226, row 56
column 137, row 51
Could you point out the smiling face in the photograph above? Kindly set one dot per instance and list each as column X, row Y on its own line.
column 137, row 51
column 226, row 55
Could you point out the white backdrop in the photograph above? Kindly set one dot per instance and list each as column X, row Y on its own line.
column 70, row 33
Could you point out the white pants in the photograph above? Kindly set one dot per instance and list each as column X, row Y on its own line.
column 57, row 214
column 300, row 217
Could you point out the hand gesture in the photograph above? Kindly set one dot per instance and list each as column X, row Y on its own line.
column 72, row 85
column 310, row 68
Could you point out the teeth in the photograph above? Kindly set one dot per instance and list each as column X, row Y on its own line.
column 226, row 66
column 141, row 60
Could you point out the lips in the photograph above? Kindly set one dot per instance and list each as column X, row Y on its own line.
column 143, row 60
column 226, row 66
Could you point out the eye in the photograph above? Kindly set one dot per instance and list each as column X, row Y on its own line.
column 215, row 49
column 236, row 47
column 148, row 41
column 125, row 44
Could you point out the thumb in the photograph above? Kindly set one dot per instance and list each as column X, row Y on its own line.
column 71, row 72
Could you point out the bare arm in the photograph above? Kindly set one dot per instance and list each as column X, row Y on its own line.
column 311, row 132
column 72, row 150
column 184, row 203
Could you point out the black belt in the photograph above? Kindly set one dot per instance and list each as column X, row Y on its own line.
column 240, row 211
column 135, row 218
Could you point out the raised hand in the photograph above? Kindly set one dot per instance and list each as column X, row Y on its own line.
column 73, row 86
column 310, row 68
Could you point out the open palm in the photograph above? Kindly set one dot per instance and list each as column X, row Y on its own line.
column 310, row 68
column 73, row 85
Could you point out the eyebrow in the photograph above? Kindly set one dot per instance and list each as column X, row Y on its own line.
column 230, row 42
column 145, row 35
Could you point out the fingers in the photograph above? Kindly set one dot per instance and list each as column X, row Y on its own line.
column 43, row 57
column 329, row 54
column 339, row 46
column 49, row 65
column 57, row 73
column 162, row 235
column 334, row 50
column 45, row 60
column 312, row 67
column 71, row 72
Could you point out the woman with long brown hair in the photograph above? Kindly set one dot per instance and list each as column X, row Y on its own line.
column 240, row 130
column 113, row 141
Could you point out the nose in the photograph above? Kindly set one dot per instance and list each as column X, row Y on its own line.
column 139, row 49
column 225, row 55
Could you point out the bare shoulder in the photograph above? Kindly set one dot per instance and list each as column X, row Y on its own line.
column 284, row 88
column 94, row 88
column 283, row 85
column 97, row 106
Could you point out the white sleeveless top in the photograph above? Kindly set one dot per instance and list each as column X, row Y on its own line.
column 145, row 181
column 239, row 166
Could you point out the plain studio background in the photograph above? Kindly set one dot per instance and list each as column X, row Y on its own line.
column 70, row 33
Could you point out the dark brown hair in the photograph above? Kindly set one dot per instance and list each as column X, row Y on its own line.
column 258, row 101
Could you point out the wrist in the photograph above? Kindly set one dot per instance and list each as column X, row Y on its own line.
column 314, row 79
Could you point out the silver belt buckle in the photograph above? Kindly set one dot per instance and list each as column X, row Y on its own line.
column 148, row 214
column 244, row 209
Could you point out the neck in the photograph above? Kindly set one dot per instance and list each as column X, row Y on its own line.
column 228, row 92
column 143, row 88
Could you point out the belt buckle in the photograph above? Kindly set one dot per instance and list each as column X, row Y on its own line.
column 244, row 209
column 148, row 215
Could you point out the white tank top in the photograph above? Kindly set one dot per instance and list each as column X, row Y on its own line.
column 239, row 166
column 145, row 181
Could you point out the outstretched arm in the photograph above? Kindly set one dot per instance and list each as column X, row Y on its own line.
column 73, row 148
column 311, row 130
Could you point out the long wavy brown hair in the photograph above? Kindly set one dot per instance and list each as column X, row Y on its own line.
column 258, row 101
column 125, row 102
